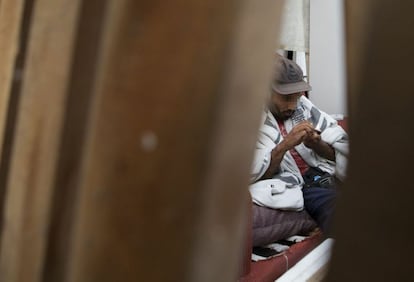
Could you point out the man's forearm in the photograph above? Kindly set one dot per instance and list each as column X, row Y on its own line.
column 321, row 148
column 324, row 150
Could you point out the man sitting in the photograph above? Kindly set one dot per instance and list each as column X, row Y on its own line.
column 300, row 151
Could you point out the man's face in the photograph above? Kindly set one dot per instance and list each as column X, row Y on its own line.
column 283, row 106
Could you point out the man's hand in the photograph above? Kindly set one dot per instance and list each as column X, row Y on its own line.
column 304, row 133
column 298, row 134
column 312, row 140
column 295, row 137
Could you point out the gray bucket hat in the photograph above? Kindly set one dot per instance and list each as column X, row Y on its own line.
column 288, row 77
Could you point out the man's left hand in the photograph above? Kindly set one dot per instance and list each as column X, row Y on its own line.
column 312, row 139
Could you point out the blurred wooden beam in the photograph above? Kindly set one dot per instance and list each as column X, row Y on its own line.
column 374, row 217
column 134, row 138
column 37, row 140
column 176, row 109
column 10, row 22
column 358, row 17
column 13, row 97
column 10, row 28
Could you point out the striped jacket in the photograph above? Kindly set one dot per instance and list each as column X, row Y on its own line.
column 289, row 181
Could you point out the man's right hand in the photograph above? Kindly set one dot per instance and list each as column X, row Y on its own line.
column 297, row 135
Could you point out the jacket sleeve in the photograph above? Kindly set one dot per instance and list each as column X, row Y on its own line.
column 264, row 146
column 332, row 134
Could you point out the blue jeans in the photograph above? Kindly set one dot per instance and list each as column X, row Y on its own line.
column 320, row 204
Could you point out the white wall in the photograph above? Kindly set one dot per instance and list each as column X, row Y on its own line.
column 327, row 55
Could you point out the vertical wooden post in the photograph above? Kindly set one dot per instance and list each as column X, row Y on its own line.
column 13, row 97
column 10, row 21
column 134, row 138
column 374, row 221
column 359, row 22
column 38, row 129
column 10, row 27
column 176, row 109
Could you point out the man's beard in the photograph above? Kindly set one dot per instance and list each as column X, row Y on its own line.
column 286, row 114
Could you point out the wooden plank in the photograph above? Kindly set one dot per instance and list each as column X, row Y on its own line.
column 38, row 131
column 10, row 22
column 12, row 107
column 64, row 200
column 10, row 34
column 374, row 216
column 358, row 27
column 176, row 108
column 174, row 125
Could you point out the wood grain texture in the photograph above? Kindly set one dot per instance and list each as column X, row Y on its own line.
column 134, row 138
column 10, row 22
column 38, row 131
column 374, row 218
column 358, row 27
column 176, row 111
column 78, row 103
